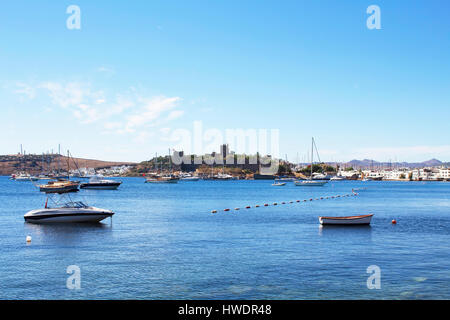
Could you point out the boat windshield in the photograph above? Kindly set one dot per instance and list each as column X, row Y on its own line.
column 77, row 204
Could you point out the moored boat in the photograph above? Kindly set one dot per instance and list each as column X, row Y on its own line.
column 99, row 183
column 279, row 184
column 310, row 183
column 350, row 220
column 70, row 212
column 314, row 179
column 59, row 186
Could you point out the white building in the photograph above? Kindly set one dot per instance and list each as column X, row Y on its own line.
column 444, row 173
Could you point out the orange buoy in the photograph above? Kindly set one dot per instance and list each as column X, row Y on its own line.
column 257, row 206
column 247, row 207
column 226, row 210
column 394, row 221
column 214, row 211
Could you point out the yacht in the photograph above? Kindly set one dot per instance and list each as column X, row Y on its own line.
column 69, row 212
column 99, row 183
column 312, row 182
column 60, row 186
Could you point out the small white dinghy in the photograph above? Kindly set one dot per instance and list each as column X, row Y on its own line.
column 352, row 220
column 279, row 184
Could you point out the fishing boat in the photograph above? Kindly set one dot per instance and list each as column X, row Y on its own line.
column 311, row 182
column 69, row 212
column 99, row 183
column 351, row 220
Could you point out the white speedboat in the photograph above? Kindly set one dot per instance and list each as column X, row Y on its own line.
column 353, row 220
column 188, row 177
column 99, row 183
column 310, row 183
column 70, row 212
column 25, row 177
column 337, row 178
column 279, row 184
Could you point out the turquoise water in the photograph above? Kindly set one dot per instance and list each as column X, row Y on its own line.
column 164, row 243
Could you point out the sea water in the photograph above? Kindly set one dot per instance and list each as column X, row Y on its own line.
column 164, row 243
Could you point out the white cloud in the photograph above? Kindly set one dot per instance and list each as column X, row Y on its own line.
column 25, row 89
column 175, row 114
column 151, row 111
column 123, row 113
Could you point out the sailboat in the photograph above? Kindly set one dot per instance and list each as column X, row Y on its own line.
column 311, row 182
column 162, row 179
column 61, row 185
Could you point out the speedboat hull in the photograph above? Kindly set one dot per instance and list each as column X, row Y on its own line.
column 65, row 215
column 101, row 186
column 353, row 220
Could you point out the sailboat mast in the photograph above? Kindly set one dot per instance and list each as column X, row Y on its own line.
column 312, row 156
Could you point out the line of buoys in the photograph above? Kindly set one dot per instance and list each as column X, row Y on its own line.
column 304, row 200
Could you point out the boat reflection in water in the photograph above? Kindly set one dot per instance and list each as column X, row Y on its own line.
column 342, row 232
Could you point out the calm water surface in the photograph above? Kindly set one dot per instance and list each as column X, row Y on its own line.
column 164, row 243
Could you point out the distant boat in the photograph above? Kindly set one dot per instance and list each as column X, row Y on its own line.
column 165, row 179
column 311, row 182
column 258, row 176
column 352, row 220
column 279, row 184
column 189, row 178
column 24, row 177
column 99, row 183
column 337, row 178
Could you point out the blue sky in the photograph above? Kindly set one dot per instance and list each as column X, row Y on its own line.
column 137, row 70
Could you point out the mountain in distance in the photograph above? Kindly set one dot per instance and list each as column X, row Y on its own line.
column 367, row 163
